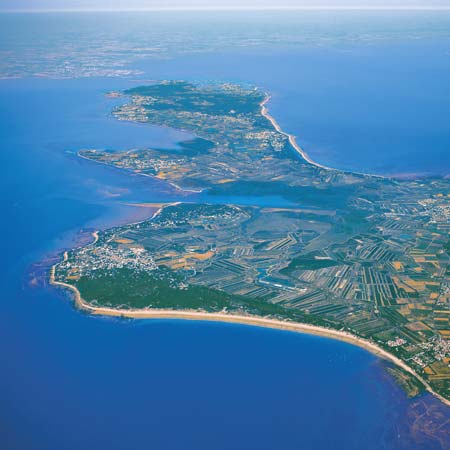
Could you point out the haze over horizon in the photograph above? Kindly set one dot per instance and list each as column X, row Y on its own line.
column 112, row 5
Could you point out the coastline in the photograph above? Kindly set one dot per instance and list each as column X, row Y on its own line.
column 258, row 321
column 175, row 186
column 293, row 141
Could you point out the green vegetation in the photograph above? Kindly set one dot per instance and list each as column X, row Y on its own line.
column 126, row 288
column 183, row 96
column 348, row 251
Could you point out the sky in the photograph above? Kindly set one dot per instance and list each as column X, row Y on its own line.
column 42, row 5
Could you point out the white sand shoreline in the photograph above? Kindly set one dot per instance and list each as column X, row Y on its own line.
column 298, row 327
column 293, row 141
column 149, row 313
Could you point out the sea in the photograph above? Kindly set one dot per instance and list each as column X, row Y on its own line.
column 362, row 91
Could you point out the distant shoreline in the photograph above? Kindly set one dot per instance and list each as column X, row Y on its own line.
column 258, row 321
column 292, row 140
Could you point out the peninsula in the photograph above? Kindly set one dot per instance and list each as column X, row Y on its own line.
column 350, row 256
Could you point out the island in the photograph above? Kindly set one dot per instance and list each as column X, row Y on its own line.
column 351, row 256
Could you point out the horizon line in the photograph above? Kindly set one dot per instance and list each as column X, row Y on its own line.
column 231, row 9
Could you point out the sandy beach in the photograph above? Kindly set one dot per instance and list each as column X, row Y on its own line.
column 298, row 149
column 292, row 140
column 148, row 313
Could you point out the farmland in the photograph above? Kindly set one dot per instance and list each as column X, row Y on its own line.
column 348, row 251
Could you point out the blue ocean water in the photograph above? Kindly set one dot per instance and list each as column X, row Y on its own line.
column 380, row 109
column 69, row 380
column 363, row 91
